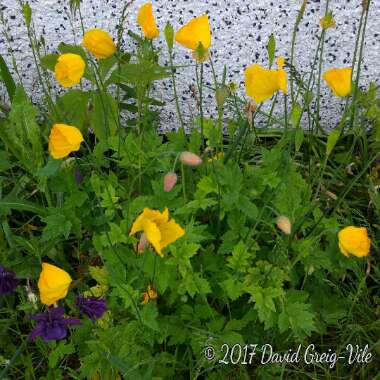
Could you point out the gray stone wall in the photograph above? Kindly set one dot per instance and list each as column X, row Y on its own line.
column 240, row 32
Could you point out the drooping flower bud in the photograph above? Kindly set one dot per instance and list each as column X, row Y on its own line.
column 170, row 180
column 284, row 224
column 190, row 159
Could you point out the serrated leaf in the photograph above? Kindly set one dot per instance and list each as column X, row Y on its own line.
column 297, row 317
column 56, row 225
column 239, row 261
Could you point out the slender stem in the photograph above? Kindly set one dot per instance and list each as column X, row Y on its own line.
column 175, row 92
column 361, row 50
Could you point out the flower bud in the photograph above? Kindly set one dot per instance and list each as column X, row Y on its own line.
column 142, row 244
column 169, row 36
column 170, row 180
column 190, row 159
column 284, row 224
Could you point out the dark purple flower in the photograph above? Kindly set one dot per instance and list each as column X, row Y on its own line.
column 52, row 325
column 93, row 307
column 8, row 281
column 78, row 176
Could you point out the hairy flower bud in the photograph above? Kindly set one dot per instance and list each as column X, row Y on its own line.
column 170, row 180
column 284, row 224
column 190, row 159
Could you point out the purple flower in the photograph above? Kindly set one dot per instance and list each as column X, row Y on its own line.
column 93, row 307
column 52, row 325
column 78, row 176
column 8, row 281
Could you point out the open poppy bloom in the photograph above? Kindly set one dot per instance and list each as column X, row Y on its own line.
column 53, row 284
column 69, row 69
column 339, row 80
column 196, row 35
column 158, row 229
column 261, row 84
column 99, row 43
column 145, row 19
column 354, row 241
column 63, row 140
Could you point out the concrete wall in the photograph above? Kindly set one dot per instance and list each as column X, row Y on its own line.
column 240, row 33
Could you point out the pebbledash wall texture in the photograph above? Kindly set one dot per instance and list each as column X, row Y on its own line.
column 240, row 33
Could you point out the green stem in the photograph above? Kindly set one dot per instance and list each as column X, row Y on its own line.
column 361, row 49
column 175, row 92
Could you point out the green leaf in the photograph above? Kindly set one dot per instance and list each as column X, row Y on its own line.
column 56, row 226
column 73, row 49
column 271, row 48
column 6, row 76
column 51, row 168
column 141, row 73
column 21, row 205
column 298, row 318
column 264, row 303
column 295, row 115
column 73, row 105
column 104, row 116
column 298, row 138
column 332, row 140
column 49, row 61
column 240, row 259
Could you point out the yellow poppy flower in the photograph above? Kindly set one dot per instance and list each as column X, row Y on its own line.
column 159, row 231
column 261, row 83
column 149, row 294
column 145, row 19
column 339, row 80
column 53, row 284
column 195, row 32
column 99, row 43
column 63, row 140
column 69, row 69
column 354, row 241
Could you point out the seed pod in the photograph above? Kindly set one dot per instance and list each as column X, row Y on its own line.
column 284, row 224
column 190, row 159
column 170, row 180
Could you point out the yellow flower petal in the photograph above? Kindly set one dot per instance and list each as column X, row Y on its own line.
column 354, row 241
column 53, row 284
column 63, row 140
column 149, row 214
column 159, row 231
column 147, row 22
column 170, row 232
column 69, row 69
column 195, row 32
column 339, row 81
column 261, row 83
column 99, row 43
column 153, row 235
